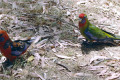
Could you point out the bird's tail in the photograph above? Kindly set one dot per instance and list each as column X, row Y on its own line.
column 29, row 41
column 34, row 40
column 117, row 37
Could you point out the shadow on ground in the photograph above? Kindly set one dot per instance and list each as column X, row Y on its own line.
column 95, row 46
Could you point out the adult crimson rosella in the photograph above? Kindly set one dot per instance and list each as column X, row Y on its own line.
column 12, row 49
column 93, row 33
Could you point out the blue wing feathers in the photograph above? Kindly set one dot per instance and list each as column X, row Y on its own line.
column 16, row 51
column 89, row 35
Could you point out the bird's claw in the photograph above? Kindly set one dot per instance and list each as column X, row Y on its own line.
column 86, row 42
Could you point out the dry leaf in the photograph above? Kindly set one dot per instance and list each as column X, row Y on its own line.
column 54, row 50
column 41, row 43
column 39, row 76
column 98, row 59
column 103, row 72
column 14, row 5
column 37, row 39
column 63, row 56
column 113, row 76
column 81, row 74
column 43, row 62
column 68, row 13
column 4, row 75
column 96, row 67
column 36, row 59
column 32, row 74
column 30, row 58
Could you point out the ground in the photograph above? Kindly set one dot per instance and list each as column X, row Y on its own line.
column 62, row 56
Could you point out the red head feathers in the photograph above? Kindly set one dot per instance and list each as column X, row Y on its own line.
column 82, row 15
column 82, row 20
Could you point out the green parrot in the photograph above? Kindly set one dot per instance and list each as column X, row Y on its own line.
column 93, row 33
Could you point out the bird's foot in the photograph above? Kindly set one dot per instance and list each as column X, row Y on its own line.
column 85, row 42
column 7, row 64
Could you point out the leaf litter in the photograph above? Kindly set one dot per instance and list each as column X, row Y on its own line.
column 57, row 22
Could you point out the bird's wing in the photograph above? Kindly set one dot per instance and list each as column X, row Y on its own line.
column 20, row 49
column 15, row 53
column 115, row 37
column 94, row 33
column 108, row 33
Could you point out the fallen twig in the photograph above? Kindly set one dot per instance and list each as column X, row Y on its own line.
column 63, row 66
column 39, row 76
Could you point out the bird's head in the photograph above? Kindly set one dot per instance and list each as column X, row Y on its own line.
column 82, row 19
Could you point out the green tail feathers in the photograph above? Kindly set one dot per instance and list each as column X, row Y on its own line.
column 117, row 37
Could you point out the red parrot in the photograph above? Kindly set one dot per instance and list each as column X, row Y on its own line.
column 12, row 49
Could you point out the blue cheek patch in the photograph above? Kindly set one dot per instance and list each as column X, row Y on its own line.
column 2, row 39
column 83, row 21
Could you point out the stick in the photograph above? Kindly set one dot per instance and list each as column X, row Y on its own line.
column 63, row 66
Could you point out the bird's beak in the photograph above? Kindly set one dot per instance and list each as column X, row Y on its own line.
column 80, row 20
